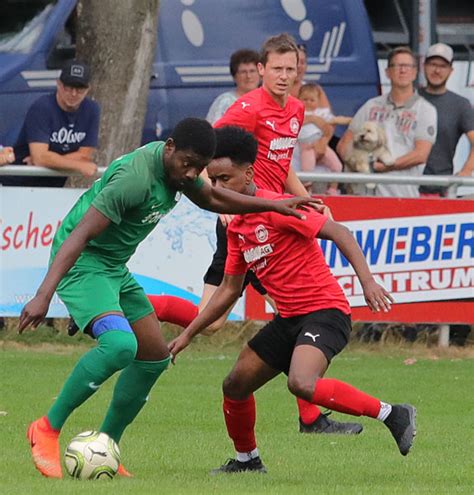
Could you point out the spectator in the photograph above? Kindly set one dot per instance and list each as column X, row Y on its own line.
column 7, row 155
column 243, row 67
column 313, row 150
column 455, row 118
column 60, row 130
column 300, row 70
column 409, row 122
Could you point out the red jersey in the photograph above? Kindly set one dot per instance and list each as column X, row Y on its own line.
column 284, row 254
column 275, row 129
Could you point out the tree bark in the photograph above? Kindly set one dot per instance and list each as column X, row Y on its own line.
column 118, row 41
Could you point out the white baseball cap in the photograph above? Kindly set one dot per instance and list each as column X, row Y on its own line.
column 440, row 50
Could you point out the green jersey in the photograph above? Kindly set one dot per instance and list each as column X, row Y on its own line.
column 134, row 194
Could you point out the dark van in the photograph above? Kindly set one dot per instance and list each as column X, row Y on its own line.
column 195, row 40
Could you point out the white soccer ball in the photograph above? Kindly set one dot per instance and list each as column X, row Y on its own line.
column 92, row 455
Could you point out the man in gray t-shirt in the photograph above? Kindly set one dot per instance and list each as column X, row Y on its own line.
column 455, row 117
column 409, row 122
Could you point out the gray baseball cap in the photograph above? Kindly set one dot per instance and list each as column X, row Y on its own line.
column 440, row 50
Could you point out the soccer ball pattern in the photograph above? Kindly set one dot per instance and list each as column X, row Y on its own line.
column 92, row 455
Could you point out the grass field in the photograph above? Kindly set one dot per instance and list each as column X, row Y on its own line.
column 180, row 435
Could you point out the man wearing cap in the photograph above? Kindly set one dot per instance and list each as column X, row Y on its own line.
column 455, row 118
column 60, row 130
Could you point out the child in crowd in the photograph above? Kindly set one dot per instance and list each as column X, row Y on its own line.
column 318, row 128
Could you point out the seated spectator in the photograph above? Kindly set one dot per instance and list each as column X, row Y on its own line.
column 243, row 68
column 455, row 118
column 409, row 122
column 314, row 152
column 7, row 155
column 60, row 130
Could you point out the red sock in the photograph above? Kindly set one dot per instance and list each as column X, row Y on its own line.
column 345, row 398
column 174, row 309
column 309, row 413
column 240, row 421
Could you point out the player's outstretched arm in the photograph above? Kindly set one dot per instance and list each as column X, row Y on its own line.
column 222, row 299
column 220, row 200
column 91, row 225
column 376, row 296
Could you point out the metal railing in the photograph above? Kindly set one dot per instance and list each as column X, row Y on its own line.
column 452, row 182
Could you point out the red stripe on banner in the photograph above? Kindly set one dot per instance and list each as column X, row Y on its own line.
column 461, row 312
column 352, row 208
column 345, row 208
column 425, row 312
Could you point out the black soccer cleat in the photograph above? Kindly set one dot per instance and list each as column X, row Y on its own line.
column 325, row 425
column 235, row 466
column 72, row 327
column 402, row 426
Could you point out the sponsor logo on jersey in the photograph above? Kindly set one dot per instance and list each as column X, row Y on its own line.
column 154, row 216
column 261, row 233
column 257, row 252
column 282, row 143
column 67, row 136
column 294, row 125
column 281, row 148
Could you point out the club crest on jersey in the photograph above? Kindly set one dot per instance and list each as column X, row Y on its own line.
column 261, row 233
column 294, row 125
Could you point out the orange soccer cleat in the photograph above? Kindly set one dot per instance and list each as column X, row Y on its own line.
column 121, row 471
column 44, row 442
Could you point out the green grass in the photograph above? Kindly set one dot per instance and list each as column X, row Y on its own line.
column 180, row 435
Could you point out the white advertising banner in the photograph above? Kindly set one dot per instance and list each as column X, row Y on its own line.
column 172, row 260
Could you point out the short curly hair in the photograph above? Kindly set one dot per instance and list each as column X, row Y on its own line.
column 196, row 135
column 244, row 56
column 237, row 144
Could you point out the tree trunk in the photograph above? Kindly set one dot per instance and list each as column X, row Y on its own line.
column 118, row 41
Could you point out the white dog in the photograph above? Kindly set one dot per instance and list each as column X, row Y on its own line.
column 369, row 145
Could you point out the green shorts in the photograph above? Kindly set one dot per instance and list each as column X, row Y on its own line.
column 88, row 292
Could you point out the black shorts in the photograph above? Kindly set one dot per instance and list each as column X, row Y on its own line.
column 215, row 272
column 327, row 329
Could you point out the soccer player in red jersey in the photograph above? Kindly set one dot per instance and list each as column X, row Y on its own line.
column 313, row 324
column 274, row 117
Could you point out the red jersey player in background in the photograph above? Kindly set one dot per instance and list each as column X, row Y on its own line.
column 313, row 324
column 274, row 117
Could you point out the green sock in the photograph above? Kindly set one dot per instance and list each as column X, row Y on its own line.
column 130, row 395
column 115, row 350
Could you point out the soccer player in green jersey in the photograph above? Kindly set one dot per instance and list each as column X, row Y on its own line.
column 88, row 271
